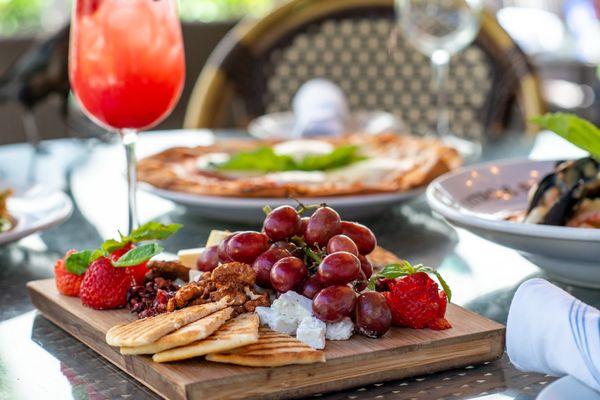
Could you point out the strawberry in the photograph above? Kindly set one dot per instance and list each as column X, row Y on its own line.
column 137, row 271
column 67, row 283
column 105, row 286
column 414, row 298
column 87, row 7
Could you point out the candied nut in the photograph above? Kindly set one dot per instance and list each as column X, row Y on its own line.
column 261, row 301
column 234, row 273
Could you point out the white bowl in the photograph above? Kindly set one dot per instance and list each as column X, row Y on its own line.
column 479, row 198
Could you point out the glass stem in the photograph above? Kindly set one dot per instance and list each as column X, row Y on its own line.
column 129, row 137
column 440, row 65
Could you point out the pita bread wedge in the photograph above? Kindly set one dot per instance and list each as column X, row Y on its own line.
column 149, row 330
column 198, row 330
column 273, row 349
column 238, row 332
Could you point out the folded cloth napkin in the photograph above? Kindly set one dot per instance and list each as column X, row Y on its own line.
column 551, row 332
column 320, row 109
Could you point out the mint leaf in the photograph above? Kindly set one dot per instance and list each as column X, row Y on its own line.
column 578, row 131
column 264, row 159
column 149, row 231
column 445, row 286
column 340, row 157
column 152, row 231
column 78, row 263
column 112, row 245
column 138, row 255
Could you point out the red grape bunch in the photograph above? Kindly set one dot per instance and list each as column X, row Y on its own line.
column 320, row 257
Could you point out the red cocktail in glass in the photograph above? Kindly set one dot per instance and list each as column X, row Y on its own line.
column 126, row 66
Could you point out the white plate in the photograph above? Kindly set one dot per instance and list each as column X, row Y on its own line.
column 281, row 125
column 567, row 388
column 249, row 210
column 478, row 199
column 36, row 209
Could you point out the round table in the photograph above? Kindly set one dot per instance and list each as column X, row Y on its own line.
column 38, row 359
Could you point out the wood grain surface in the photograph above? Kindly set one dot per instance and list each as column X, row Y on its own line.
column 400, row 353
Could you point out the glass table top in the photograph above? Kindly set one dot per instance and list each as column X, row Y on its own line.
column 38, row 359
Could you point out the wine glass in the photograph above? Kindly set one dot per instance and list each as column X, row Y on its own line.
column 440, row 29
column 126, row 67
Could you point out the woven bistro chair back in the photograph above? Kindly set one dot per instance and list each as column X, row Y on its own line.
column 259, row 66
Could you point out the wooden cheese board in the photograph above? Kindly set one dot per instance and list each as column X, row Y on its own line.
column 358, row 361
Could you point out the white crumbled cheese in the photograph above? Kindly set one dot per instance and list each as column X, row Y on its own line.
column 265, row 314
column 282, row 324
column 312, row 332
column 293, row 305
column 275, row 321
column 194, row 275
column 341, row 330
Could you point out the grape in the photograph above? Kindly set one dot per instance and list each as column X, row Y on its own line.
column 263, row 264
column 372, row 315
column 384, row 284
column 285, row 245
column 341, row 243
column 360, row 283
column 288, row 273
column 322, row 226
column 245, row 247
column 362, row 236
column 333, row 303
column 311, row 287
column 222, row 250
column 365, row 266
column 338, row 269
column 208, row 259
column 281, row 223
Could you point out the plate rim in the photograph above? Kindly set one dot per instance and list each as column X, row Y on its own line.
column 192, row 199
column 14, row 234
column 471, row 220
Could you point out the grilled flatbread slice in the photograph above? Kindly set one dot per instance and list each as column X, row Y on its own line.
column 149, row 330
column 238, row 332
column 273, row 349
column 198, row 330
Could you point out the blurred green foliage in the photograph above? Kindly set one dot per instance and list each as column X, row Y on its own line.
column 25, row 16
column 219, row 10
column 19, row 16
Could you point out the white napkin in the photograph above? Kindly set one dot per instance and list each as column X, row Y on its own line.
column 551, row 332
column 320, row 108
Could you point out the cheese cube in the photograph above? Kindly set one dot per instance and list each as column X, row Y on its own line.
column 293, row 305
column 312, row 332
column 188, row 257
column 215, row 237
column 265, row 314
column 341, row 330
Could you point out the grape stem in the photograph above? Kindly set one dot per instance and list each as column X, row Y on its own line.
column 267, row 210
column 312, row 254
column 300, row 242
column 302, row 208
